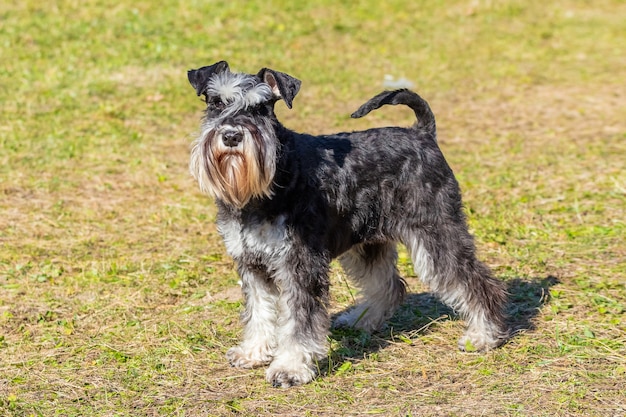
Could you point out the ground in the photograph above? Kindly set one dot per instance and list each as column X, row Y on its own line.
column 117, row 297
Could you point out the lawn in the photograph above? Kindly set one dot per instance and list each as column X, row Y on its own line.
column 117, row 297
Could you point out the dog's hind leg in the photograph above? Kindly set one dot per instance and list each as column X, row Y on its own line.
column 444, row 258
column 373, row 268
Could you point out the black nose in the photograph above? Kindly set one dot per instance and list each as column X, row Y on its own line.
column 232, row 138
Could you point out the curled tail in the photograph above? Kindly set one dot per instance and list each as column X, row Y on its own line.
column 425, row 116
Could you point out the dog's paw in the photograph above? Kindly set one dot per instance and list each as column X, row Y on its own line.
column 282, row 376
column 473, row 341
column 359, row 318
column 251, row 358
column 345, row 320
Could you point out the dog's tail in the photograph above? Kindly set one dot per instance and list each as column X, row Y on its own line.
column 425, row 116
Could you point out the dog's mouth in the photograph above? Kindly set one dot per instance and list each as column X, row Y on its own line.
column 229, row 159
column 222, row 156
column 229, row 156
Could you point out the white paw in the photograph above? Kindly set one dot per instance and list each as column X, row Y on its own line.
column 359, row 318
column 473, row 341
column 285, row 376
column 248, row 358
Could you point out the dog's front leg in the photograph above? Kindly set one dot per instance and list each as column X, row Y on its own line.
column 303, row 322
column 259, row 319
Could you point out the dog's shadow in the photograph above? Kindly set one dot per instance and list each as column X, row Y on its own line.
column 422, row 311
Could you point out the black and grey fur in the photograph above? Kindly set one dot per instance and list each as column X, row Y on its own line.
column 289, row 203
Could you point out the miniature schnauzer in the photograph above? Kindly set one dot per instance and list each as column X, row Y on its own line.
column 288, row 203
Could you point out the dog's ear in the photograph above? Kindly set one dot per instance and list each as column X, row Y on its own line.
column 199, row 78
column 283, row 85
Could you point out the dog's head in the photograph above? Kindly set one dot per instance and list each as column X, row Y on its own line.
column 217, row 82
column 234, row 158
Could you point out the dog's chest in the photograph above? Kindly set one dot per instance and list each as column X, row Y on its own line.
column 256, row 240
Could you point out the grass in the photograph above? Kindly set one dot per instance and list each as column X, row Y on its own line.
column 116, row 295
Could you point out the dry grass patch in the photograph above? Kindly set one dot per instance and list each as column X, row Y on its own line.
column 117, row 297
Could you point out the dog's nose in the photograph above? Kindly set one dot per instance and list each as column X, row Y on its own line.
column 232, row 138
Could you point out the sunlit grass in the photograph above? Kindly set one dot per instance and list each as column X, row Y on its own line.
column 117, row 297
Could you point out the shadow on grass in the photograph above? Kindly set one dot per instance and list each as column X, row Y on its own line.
column 420, row 312
column 526, row 298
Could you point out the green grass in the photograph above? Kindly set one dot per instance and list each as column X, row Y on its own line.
column 117, row 297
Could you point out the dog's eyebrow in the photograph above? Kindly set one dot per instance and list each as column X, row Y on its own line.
column 238, row 91
column 258, row 94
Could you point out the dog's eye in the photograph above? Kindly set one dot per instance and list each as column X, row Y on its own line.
column 216, row 103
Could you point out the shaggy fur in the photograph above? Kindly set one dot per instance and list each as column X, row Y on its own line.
column 289, row 203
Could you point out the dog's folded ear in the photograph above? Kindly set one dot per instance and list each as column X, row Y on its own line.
column 283, row 85
column 199, row 78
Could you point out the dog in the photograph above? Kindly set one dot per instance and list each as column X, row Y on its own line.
column 288, row 203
